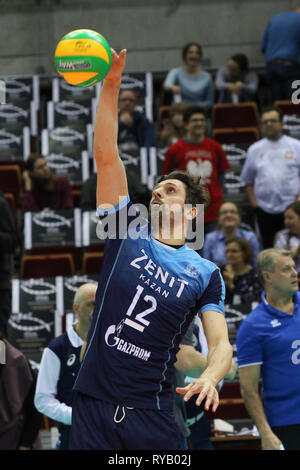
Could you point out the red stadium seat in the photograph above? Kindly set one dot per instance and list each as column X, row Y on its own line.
column 244, row 135
column 36, row 266
column 288, row 107
column 10, row 180
column 91, row 263
column 231, row 116
column 73, row 250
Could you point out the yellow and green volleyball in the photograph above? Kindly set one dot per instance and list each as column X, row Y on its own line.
column 83, row 57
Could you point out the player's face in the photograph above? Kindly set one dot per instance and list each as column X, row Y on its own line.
column 284, row 278
column 168, row 198
column 271, row 126
column 228, row 215
column 169, row 192
column 292, row 221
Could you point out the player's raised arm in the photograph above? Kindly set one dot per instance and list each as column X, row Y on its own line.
column 111, row 176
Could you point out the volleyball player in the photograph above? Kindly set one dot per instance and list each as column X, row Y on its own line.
column 149, row 290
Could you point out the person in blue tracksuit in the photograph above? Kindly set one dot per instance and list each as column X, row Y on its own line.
column 268, row 346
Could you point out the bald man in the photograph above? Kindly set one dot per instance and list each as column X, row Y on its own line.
column 60, row 364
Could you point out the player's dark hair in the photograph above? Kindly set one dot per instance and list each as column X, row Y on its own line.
column 245, row 247
column 191, row 110
column 196, row 193
column 268, row 109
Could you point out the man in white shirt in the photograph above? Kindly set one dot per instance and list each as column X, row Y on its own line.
column 271, row 174
column 60, row 364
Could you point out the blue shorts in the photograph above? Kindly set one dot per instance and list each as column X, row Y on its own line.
column 99, row 425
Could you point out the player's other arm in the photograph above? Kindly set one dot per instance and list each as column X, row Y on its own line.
column 111, row 176
column 249, row 379
column 219, row 361
column 219, row 349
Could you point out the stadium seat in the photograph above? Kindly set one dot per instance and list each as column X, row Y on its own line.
column 231, row 116
column 91, row 263
column 76, row 196
column 72, row 250
column 36, row 266
column 10, row 180
column 288, row 107
column 244, row 135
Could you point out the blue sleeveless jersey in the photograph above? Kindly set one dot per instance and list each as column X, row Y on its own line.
column 147, row 295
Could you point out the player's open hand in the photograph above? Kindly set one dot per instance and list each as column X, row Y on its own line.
column 117, row 65
column 205, row 388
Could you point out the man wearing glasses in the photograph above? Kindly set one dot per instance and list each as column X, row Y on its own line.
column 271, row 174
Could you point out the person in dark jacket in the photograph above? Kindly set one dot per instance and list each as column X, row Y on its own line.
column 135, row 130
column 19, row 420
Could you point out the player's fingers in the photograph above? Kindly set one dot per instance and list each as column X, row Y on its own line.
column 209, row 399
column 193, row 390
column 183, row 390
column 122, row 57
column 201, row 396
column 212, row 399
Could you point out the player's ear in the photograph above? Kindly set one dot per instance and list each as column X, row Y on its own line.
column 75, row 308
column 191, row 212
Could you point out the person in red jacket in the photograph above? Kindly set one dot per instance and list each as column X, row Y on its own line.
column 42, row 189
column 200, row 156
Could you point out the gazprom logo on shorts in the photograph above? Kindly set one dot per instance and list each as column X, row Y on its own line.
column 174, row 221
column 113, row 341
column 2, row 92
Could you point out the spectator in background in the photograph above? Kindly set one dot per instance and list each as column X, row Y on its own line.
column 289, row 238
column 42, row 189
column 241, row 280
column 200, row 156
column 235, row 83
column 19, row 421
column 139, row 193
column 281, row 47
column 271, row 174
column 229, row 227
column 190, row 83
column 135, row 130
column 268, row 347
column 173, row 127
column 8, row 243
column 60, row 364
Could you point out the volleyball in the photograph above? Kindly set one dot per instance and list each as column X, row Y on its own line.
column 83, row 57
